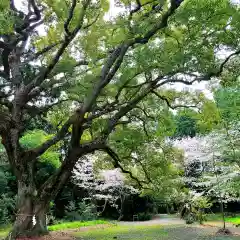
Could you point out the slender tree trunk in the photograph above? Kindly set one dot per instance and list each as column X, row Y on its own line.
column 223, row 214
column 31, row 214
column 168, row 211
column 220, row 195
column 122, row 200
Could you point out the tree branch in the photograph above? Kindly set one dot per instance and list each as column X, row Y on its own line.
column 168, row 103
column 53, row 184
column 115, row 60
column 43, row 51
column 34, row 153
column 159, row 25
column 68, row 39
column 33, row 110
column 142, row 166
column 70, row 16
column 36, row 11
column 116, row 163
column 225, row 62
column 145, row 113
column 139, row 6
column 143, row 124
column 91, row 23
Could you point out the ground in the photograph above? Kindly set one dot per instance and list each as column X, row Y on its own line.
column 154, row 233
column 160, row 228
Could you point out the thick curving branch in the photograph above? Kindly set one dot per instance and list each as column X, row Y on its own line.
column 225, row 62
column 164, row 98
column 35, row 152
column 117, row 164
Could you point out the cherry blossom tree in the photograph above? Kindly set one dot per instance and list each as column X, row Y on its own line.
column 106, row 185
column 214, row 174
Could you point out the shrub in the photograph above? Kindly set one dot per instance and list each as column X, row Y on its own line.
column 190, row 219
column 145, row 216
column 7, row 206
column 80, row 212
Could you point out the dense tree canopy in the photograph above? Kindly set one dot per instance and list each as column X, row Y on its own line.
column 79, row 76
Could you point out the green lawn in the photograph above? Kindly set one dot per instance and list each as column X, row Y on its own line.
column 124, row 232
column 61, row 226
column 151, row 233
column 3, row 233
column 72, row 225
column 234, row 220
column 218, row 217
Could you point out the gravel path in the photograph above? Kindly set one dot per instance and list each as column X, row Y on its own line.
column 161, row 219
column 179, row 225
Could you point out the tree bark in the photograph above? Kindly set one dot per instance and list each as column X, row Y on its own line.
column 31, row 215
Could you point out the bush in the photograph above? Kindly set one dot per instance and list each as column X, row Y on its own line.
column 80, row 212
column 190, row 218
column 7, row 206
column 145, row 216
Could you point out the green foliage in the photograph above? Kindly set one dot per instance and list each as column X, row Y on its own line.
column 7, row 195
column 7, row 207
column 193, row 208
column 44, row 170
column 33, row 139
column 80, row 211
column 190, row 218
column 228, row 103
column 145, row 216
column 209, row 117
column 186, row 124
column 6, row 18
column 3, row 182
column 165, row 125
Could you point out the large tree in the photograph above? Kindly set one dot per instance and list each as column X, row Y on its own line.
column 93, row 72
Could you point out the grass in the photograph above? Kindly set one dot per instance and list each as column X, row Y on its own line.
column 214, row 217
column 3, row 233
column 155, row 232
column 136, row 232
column 72, row 225
column 61, row 226
column 218, row 217
column 234, row 220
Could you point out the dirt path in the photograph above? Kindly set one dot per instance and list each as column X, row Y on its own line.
column 166, row 220
column 160, row 219
column 218, row 224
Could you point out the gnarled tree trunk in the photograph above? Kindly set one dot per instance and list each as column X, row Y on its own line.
column 31, row 214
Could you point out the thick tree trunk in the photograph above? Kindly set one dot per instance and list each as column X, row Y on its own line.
column 31, row 214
